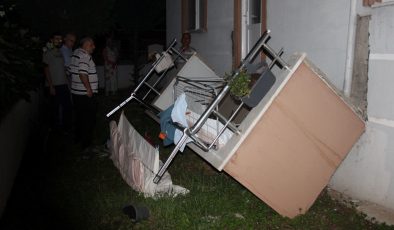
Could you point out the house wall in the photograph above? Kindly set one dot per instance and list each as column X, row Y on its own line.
column 319, row 28
column 368, row 173
column 124, row 73
column 214, row 46
column 173, row 21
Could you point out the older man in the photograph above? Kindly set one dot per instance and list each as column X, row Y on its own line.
column 67, row 49
column 84, row 88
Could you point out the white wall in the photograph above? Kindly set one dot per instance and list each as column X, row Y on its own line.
column 173, row 20
column 368, row 171
column 124, row 75
column 214, row 46
column 319, row 28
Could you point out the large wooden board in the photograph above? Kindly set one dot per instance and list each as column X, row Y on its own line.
column 291, row 153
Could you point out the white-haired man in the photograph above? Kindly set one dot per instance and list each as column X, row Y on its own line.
column 84, row 87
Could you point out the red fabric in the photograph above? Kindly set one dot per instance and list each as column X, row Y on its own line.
column 370, row 2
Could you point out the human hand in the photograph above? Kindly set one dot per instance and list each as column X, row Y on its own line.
column 89, row 93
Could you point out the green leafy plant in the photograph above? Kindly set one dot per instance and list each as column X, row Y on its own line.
column 239, row 84
column 20, row 55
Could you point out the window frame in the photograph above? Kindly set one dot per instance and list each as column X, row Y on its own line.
column 201, row 24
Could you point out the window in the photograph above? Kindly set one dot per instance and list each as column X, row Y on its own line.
column 255, row 11
column 194, row 15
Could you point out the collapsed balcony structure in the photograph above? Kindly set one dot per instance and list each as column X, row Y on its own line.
column 282, row 141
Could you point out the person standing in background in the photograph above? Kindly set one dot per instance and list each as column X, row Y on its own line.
column 57, row 87
column 67, row 50
column 110, row 56
column 84, row 88
column 186, row 50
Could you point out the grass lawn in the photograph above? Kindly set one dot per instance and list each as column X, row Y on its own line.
column 62, row 188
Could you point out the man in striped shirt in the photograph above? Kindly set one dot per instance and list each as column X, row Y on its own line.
column 84, row 87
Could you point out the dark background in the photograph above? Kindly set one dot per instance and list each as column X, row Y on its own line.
column 135, row 24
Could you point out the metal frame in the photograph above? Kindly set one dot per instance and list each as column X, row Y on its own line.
column 152, row 89
column 260, row 46
column 203, row 92
column 212, row 108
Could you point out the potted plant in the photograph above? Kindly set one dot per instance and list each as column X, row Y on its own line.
column 251, row 88
column 239, row 84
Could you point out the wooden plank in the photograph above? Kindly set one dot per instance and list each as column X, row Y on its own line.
column 293, row 150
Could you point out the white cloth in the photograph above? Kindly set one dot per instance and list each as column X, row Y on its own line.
column 186, row 117
column 178, row 115
column 210, row 129
column 138, row 161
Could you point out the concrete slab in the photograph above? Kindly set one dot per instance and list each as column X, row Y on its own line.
column 373, row 212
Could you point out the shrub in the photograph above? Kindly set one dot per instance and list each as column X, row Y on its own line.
column 20, row 55
column 239, row 84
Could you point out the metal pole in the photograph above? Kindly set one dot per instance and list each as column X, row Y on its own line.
column 142, row 82
column 163, row 168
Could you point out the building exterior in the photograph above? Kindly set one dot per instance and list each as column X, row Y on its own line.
column 350, row 41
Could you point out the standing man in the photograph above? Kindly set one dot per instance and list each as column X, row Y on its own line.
column 67, row 50
column 186, row 50
column 84, row 88
column 57, row 86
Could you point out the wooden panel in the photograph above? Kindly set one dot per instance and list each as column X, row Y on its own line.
column 296, row 146
column 236, row 36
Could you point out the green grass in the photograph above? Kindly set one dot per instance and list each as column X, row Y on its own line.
column 89, row 193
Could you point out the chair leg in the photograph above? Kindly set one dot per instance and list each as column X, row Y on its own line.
column 163, row 168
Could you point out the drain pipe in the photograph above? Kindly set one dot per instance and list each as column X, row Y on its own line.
column 347, row 85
